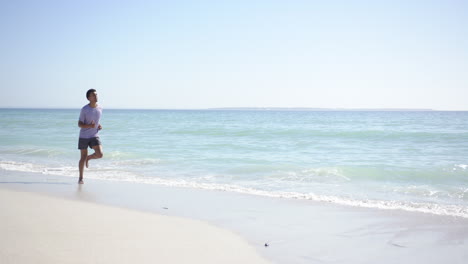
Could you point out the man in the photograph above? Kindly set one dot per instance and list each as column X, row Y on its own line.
column 89, row 123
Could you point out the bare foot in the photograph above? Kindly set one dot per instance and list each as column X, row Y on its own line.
column 80, row 181
column 86, row 162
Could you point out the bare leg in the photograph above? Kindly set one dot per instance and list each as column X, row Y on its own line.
column 96, row 155
column 83, row 160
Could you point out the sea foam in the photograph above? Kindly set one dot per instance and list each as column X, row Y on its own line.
column 108, row 174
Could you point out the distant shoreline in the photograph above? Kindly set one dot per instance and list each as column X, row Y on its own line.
column 285, row 109
column 319, row 109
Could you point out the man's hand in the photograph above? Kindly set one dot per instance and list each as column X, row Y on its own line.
column 92, row 125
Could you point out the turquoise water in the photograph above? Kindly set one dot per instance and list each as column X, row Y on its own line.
column 413, row 161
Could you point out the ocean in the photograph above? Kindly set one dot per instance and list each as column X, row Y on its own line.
column 391, row 160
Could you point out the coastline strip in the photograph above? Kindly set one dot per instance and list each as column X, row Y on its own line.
column 42, row 229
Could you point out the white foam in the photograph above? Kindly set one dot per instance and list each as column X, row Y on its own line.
column 122, row 176
column 36, row 168
column 138, row 162
column 18, row 166
column 430, row 208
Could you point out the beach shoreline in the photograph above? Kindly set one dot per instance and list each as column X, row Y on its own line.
column 296, row 231
column 39, row 228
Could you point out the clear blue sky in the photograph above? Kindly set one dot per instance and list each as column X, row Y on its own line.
column 202, row 54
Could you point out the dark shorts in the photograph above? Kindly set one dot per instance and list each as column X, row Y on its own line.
column 84, row 143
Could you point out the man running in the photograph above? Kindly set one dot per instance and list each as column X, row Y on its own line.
column 89, row 123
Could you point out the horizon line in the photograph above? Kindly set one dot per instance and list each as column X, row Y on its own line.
column 324, row 109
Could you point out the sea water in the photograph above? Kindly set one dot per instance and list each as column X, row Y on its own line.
column 391, row 160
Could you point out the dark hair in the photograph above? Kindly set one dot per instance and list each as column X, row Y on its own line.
column 89, row 91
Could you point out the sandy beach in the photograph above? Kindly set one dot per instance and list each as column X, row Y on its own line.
column 51, row 219
column 37, row 228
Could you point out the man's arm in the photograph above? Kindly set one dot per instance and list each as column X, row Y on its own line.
column 83, row 125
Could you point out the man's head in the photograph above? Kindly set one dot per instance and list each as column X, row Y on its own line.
column 91, row 95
